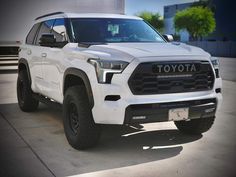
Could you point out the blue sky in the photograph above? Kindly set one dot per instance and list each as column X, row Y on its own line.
column 134, row 6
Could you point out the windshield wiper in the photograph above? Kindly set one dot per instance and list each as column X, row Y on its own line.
column 88, row 44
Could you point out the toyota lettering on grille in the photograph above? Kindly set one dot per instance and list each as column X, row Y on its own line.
column 175, row 68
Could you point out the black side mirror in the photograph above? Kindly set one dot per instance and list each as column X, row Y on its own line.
column 47, row 40
column 168, row 37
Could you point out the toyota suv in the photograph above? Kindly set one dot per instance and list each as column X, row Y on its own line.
column 115, row 69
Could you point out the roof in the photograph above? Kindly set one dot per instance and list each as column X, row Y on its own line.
column 83, row 15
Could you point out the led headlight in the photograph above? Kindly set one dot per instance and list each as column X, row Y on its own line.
column 106, row 68
column 215, row 63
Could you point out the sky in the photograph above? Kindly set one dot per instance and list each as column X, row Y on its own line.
column 134, row 6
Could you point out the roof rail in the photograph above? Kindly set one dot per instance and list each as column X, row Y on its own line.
column 46, row 15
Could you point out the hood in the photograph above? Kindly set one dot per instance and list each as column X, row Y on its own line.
column 129, row 51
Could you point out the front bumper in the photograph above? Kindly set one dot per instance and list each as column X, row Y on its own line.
column 146, row 113
column 118, row 111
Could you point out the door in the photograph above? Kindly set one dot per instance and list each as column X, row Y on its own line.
column 52, row 62
column 37, row 55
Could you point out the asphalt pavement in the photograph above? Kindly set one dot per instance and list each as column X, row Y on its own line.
column 34, row 144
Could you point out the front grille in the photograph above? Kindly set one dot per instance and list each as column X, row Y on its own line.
column 145, row 80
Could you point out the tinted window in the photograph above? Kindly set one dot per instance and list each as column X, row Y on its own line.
column 45, row 28
column 59, row 30
column 113, row 30
column 30, row 37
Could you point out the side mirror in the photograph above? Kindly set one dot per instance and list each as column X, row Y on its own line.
column 47, row 40
column 168, row 37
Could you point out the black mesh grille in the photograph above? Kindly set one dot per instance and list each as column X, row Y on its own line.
column 145, row 80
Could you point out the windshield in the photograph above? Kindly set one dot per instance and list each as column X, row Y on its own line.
column 105, row 30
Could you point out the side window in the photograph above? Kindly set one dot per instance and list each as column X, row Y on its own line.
column 30, row 37
column 59, row 30
column 45, row 28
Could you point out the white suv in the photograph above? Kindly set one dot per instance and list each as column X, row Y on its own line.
column 115, row 69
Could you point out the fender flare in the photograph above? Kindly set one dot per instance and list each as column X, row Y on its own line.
column 82, row 75
column 25, row 63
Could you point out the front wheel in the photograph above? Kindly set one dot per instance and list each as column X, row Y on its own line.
column 195, row 126
column 80, row 129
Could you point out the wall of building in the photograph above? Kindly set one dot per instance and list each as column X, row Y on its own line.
column 225, row 14
column 217, row 48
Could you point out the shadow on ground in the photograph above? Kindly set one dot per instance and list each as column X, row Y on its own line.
column 119, row 146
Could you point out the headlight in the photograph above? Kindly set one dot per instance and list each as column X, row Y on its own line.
column 216, row 65
column 106, row 68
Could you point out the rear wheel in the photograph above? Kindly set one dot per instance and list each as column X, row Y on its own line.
column 80, row 129
column 25, row 98
column 195, row 126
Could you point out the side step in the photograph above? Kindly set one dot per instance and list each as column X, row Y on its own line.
column 47, row 101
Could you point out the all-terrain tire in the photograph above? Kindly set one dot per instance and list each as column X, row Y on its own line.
column 79, row 126
column 195, row 126
column 25, row 98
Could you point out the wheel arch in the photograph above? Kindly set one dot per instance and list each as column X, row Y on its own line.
column 23, row 65
column 75, row 76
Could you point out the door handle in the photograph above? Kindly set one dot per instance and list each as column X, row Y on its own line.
column 29, row 52
column 44, row 55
